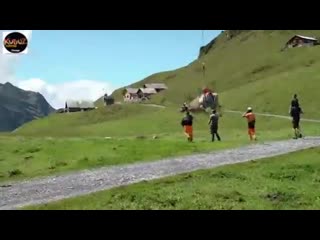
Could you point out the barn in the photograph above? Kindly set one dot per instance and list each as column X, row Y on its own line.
column 300, row 41
column 132, row 94
column 157, row 86
column 147, row 92
column 108, row 100
column 78, row 106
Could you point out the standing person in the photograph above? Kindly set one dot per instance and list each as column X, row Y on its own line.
column 186, row 123
column 295, row 113
column 213, row 122
column 66, row 107
column 294, row 102
column 251, row 118
column 184, row 107
column 105, row 99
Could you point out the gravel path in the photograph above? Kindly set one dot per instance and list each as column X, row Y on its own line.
column 53, row 188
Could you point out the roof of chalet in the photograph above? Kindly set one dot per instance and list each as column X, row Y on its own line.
column 132, row 90
column 303, row 37
column 155, row 85
column 108, row 97
column 80, row 104
column 148, row 90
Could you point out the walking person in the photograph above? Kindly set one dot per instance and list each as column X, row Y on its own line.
column 294, row 102
column 214, row 122
column 251, row 118
column 295, row 113
column 187, row 123
column 184, row 107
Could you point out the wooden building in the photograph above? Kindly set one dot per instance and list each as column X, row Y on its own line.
column 301, row 41
column 78, row 106
column 108, row 100
column 132, row 94
column 157, row 86
column 147, row 92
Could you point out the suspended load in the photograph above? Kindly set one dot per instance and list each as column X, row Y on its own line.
column 207, row 100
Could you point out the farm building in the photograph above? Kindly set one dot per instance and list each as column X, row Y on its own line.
column 147, row 92
column 132, row 94
column 157, row 86
column 78, row 106
column 300, row 41
column 108, row 100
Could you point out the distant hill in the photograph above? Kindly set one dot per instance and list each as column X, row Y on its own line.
column 18, row 107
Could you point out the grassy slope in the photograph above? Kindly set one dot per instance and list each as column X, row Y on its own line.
column 251, row 64
column 286, row 182
column 247, row 70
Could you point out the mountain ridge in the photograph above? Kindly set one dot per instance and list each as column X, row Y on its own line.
column 18, row 106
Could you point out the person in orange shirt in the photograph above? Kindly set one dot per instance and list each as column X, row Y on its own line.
column 187, row 125
column 251, row 118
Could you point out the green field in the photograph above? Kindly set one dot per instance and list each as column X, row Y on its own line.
column 25, row 156
column 286, row 182
column 22, row 158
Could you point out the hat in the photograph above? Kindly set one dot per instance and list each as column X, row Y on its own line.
column 249, row 109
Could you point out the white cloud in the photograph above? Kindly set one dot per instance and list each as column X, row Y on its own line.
column 56, row 94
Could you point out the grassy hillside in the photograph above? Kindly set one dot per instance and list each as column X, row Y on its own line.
column 248, row 69
column 285, row 182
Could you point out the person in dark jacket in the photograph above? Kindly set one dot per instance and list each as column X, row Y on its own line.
column 295, row 113
column 213, row 122
column 294, row 102
column 184, row 107
column 187, row 123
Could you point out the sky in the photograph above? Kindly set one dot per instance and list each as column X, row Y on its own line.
column 83, row 65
